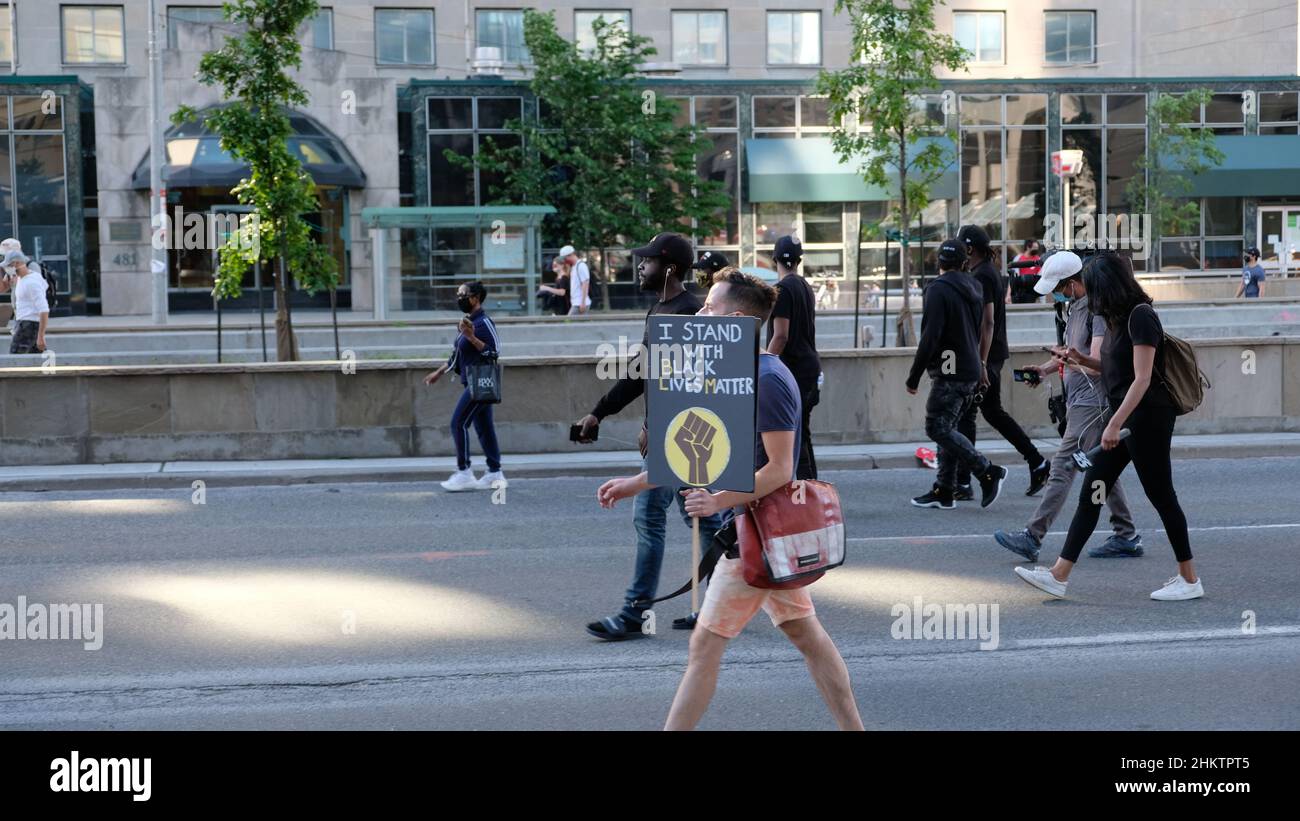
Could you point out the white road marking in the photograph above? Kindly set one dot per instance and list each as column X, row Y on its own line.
column 927, row 537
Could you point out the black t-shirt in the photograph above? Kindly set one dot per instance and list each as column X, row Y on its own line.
column 1117, row 357
column 795, row 302
column 994, row 286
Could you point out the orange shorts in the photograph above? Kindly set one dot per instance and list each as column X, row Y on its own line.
column 729, row 603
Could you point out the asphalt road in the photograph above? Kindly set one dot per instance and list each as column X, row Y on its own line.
column 401, row 606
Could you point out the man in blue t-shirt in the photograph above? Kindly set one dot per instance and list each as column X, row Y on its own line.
column 730, row 603
column 1252, row 276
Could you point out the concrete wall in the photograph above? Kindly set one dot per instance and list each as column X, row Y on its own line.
column 315, row 410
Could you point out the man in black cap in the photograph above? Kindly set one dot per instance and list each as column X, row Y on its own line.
column 709, row 263
column 792, row 335
column 994, row 354
column 949, row 350
column 664, row 263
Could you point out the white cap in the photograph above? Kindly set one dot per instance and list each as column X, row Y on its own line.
column 566, row 250
column 1057, row 265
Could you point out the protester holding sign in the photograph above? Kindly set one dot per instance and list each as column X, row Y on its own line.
column 730, row 603
column 663, row 264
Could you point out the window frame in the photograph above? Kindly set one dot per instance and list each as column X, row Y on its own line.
column 726, row 36
column 767, row 39
column 1092, row 46
column 433, row 36
column 978, row 13
column 63, row 36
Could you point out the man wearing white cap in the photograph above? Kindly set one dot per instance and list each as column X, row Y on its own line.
column 579, row 282
column 1085, row 419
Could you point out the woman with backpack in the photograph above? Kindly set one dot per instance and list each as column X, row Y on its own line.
column 1133, row 355
column 476, row 344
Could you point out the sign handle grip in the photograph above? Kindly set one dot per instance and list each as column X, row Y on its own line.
column 695, row 565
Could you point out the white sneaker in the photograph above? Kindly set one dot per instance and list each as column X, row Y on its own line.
column 1043, row 579
column 1179, row 589
column 492, row 481
column 461, row 480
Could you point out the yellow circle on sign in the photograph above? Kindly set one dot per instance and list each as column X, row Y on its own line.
column 697, row 446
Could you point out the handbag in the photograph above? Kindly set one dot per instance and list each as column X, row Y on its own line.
column 792, row 536
column 484, row 378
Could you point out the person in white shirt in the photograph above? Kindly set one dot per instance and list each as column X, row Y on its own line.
column 579, row 282
column 31, row 309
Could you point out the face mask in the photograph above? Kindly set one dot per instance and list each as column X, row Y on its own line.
column 462, row 302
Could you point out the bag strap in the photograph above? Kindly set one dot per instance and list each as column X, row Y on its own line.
column 720, row 545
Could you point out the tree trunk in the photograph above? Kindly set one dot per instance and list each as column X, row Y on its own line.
column 286, row 346
column 903, row 333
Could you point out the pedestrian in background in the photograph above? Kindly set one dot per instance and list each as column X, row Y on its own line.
column 1085, row 418
column 792, row 335
column 1252, row 276
column 1138, row 402
column 478, row 336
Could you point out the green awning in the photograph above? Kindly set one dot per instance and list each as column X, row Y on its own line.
column 458, row 216
column 1256, row 165
column 807, row 170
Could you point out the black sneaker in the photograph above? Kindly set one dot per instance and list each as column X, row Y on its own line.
column 1038, row 477
column 991, row 484
column 937, row 497
column 963, row 493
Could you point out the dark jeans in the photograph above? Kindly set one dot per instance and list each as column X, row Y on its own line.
column 946, row 406
column 651, row 518
column 479, row 414
column 1148, row 449
column 807, row 467
column 1000, row 421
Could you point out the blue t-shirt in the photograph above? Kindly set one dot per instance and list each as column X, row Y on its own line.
column 778, row 406
column 1251, row 278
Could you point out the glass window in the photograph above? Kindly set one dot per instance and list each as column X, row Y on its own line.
column 1081, row 109
column 503, row 30
column 322, row 30
column 700, row 38
column 1069, row 36
column 6, row 36
column 495, row 112
column 584, row 27
column 774, row 112
column 794, row 38
column 1026, row 109
column 981, row 109
column 980, row 33
column 1126, row 109
column 179, row 17
column 716, row 112
column 450, row 113
column 404, row 37
column 93, row 34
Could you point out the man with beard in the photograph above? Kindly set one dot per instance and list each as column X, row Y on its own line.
column 664, row 262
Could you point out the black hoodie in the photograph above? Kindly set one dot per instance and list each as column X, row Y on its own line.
column 950, row 321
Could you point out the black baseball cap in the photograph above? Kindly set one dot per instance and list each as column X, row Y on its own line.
column 974, row 237
column 711, row 262
column 788, row 250
column 671, row 247
column 952, row 254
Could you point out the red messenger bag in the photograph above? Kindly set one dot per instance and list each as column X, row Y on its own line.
column 791, row 536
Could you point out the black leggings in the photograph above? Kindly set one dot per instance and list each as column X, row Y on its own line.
column 1148, row 449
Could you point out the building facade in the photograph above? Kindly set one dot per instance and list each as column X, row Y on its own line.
column 394, row 84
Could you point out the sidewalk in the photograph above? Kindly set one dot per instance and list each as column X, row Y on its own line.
column 577, row 462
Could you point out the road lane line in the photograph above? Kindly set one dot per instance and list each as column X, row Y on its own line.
column 954, row 536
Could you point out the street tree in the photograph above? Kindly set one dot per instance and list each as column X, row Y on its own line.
column 252, row 68
column 878, row 114
column 612, row 155
column 1177, row 150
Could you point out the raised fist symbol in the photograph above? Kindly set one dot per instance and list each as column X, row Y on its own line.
column 695, row 438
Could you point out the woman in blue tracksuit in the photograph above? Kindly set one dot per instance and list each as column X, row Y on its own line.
column 477, row 335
